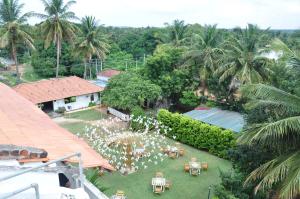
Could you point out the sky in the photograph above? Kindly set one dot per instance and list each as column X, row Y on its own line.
column 277, row 14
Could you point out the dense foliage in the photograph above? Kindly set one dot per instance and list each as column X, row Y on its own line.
column 128, row 90
column 197, row 134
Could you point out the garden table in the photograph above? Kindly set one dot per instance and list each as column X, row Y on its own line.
column 175, row 150
column 195, row 166
column 161, row 182
column 118, row 197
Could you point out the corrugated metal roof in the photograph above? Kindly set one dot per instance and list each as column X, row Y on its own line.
column 222, row 118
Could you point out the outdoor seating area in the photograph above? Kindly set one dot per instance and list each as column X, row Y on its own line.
column 119, row 195
column 159, row 183
column 174, row 151
column 194, row 167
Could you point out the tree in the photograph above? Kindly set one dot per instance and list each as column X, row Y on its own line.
column 176, row 33
column 91, row 42
column 281, row 129
column 204, row 53
column 57, row 26
column 13, row 31
column 242, row 61
column 128, row 90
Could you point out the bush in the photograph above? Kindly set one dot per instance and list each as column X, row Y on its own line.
column 189, row 99
column 91, row 104
column 197, row 134
column 137, row 118
column 61, row 110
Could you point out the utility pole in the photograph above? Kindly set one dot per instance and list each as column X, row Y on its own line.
column 126, row 65
column 101, row 65
column 144, row 59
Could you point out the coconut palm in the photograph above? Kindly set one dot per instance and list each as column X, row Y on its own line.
column 177, row 31
column 205, row 53
column 57, row 26
column 282, row 131
column 13, row 31
column 91, row 42
column 243, row 61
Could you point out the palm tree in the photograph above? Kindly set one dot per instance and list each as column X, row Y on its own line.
column 177, row 31
column 91, row 42
column 13, row 30
column 57, row 26
column 205, row 53
column 280, row 131
column 242, row 61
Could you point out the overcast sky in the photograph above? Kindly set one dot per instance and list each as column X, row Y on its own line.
column 277, row 14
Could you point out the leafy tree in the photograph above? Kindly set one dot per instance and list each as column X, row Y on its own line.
column 189, row 99
column 13, row 31
column 91, row 42
column 176, row 32
column 242, row 61
column 281, row 130
column 205, row 53
column 129, row 90
column 57, row 26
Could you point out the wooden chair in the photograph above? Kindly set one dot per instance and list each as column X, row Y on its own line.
column 168, row 184
column 159, row 175
column 194, row 172
column 120, row 193
column 204, row 166
column 172, row 155
column 181, row 151
column 158, row 189
column 186, row 167
column 165, row 150
column 193, row 159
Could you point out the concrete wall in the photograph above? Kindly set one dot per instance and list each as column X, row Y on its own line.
column 81, row 102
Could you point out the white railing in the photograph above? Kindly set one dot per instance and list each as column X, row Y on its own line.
column 118, row 114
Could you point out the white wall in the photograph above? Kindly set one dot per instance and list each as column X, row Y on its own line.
column 81, row 102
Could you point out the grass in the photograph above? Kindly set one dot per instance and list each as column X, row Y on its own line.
column 74, row 127
column 29, row 75
column 87, row 115
column 8, row 78
column 137, row 185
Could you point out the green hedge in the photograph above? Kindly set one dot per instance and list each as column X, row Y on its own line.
column 197, row 134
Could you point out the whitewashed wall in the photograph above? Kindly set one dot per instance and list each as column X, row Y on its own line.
column 81, row 102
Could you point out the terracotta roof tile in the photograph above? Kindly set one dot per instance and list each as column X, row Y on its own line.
column 56, row 88
column 23, row 124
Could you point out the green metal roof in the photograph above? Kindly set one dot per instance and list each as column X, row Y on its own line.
column 222, row 118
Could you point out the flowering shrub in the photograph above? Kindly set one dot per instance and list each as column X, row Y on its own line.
column 197, row 134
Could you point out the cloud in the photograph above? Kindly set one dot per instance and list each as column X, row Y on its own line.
column 283, row 14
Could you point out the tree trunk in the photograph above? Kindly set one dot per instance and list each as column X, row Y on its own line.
column 14, row 53
column 84, row 73
column 90, row 71
column 204, row 87
column 57, row 56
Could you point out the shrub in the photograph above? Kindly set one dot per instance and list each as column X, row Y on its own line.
column 189, row 99
column 197, row 134
column 92, row 104
column 61, row 110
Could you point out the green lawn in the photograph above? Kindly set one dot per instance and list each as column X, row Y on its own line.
column 77, row 127
column 184, row 186
column 137, row 185
column 87, row 115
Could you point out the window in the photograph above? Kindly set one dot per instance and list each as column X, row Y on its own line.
column 92, row 97
column 70, row 100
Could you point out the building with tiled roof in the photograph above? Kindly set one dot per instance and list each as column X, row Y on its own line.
column 68, row 93
column 24, row 124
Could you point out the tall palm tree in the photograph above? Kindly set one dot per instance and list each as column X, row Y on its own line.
column 205, row 53
column 13, row 30
column 243, row 61
column 57, row 26
column 282, row 131
column 91, row 42
column 177, row 31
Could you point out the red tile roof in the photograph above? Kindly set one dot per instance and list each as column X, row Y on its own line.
column 56, row 88
column 23, row 124
column 109, row 73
